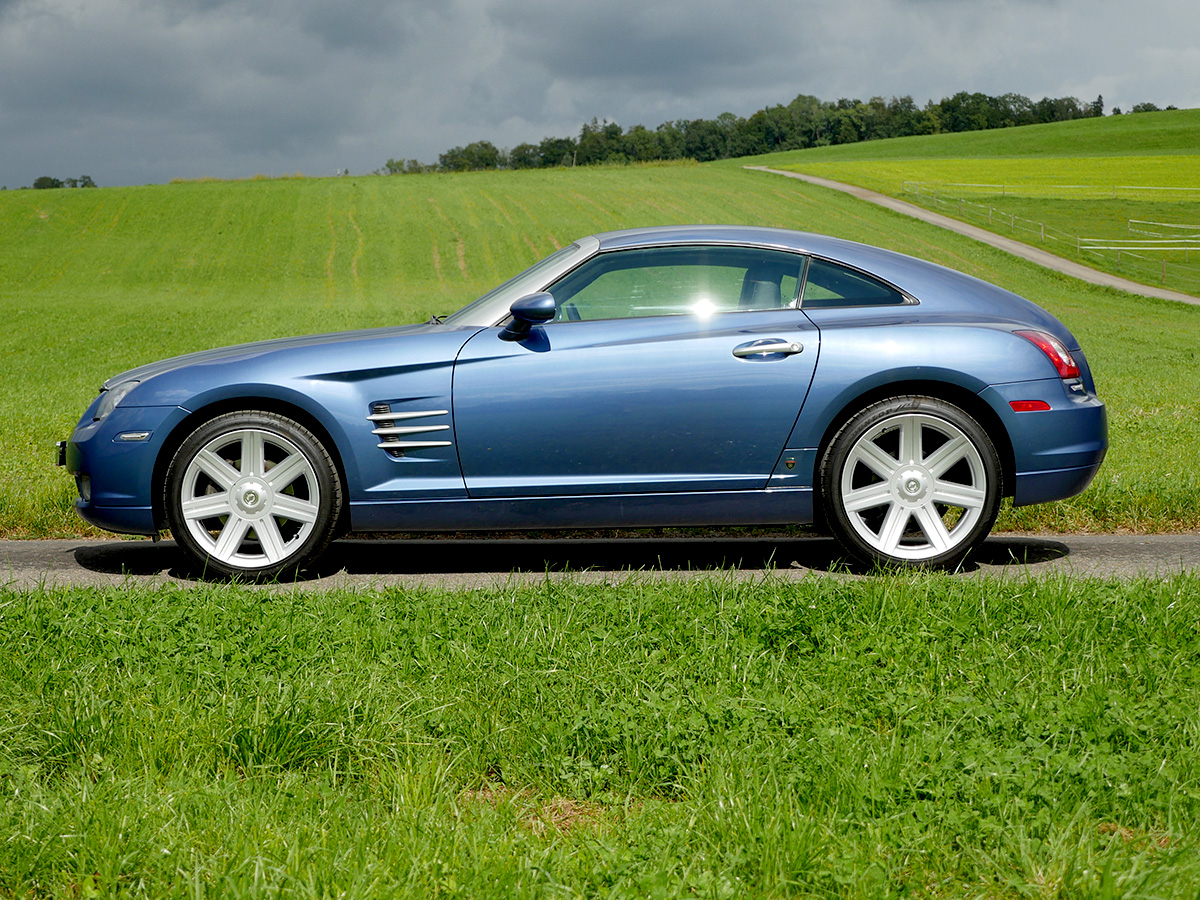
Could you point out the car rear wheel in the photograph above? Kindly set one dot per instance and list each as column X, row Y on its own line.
column 252, row 494
column 911, row 481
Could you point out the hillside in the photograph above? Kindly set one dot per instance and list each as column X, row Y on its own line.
column 1120, row 194
column 1142, row 134
column 97, row 281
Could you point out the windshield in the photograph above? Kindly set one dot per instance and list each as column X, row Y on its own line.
column 493, row 305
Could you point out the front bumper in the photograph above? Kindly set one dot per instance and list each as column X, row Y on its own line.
column 114, row 461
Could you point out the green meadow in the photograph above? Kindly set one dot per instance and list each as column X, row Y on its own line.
column 97, row 281
column 1109, row 181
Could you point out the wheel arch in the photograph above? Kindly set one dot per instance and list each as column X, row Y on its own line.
column 966, row 400
column 202, row 414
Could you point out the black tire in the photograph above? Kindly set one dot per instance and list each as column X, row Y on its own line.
column 252, row 495
column 912, row 482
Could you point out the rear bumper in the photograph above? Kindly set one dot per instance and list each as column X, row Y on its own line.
column 1041, row 487
column 1056, row 452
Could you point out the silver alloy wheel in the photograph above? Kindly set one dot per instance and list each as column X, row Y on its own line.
column 914, row 486
column 250, row 498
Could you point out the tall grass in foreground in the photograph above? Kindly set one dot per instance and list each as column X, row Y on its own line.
column 897, row 736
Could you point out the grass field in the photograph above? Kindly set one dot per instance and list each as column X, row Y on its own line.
column 1050, row 185
column 897, row 736
column 97, row 281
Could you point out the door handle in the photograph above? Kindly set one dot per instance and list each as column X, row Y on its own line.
column 768, row 347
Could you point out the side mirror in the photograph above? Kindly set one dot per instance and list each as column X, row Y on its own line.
column 534, row 309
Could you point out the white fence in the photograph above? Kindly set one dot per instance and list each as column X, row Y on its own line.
column 1052, row 191
column 1162, row 256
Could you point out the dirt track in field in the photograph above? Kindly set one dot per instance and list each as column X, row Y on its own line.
column 1016, row 248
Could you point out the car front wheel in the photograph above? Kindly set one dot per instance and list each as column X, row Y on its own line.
column 252, row 494
column 911, row 481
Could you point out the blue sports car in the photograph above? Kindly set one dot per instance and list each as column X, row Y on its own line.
column 700, row 375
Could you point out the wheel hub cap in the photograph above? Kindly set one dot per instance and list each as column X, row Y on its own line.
column 251, row 497
column 912, row 486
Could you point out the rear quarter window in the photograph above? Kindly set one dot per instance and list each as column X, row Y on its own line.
column 828, row 284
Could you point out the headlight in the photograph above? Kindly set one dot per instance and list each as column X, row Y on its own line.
column 110, row 398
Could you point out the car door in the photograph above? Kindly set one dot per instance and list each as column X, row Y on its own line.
column 665, row 369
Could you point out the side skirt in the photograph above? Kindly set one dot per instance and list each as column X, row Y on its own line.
column 790, row 506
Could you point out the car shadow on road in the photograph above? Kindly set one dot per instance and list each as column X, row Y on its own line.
column 457, row 555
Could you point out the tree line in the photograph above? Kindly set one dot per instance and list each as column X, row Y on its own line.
column 803, row 123
column 48, row 182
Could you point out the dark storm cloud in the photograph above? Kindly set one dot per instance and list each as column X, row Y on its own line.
column 214, row 85
column 131, row 91
column 647, row 46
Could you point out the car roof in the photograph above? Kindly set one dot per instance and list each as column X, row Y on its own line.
column 906, row 272
column 934, row 285
column 757, row 236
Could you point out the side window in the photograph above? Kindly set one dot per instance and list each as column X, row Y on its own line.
column 828, row 284
column 676, row 281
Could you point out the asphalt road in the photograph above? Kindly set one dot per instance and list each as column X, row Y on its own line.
column 27, row 565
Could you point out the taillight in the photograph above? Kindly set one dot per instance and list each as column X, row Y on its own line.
column 1059, row 355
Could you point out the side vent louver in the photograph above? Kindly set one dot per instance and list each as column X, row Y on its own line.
column 396, row 439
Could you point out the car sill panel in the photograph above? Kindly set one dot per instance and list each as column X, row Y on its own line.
column 790, row 506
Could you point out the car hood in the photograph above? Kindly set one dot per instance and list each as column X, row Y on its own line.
column 258, row 348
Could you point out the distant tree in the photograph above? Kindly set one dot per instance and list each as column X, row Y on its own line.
column 1097, row 107
column 601, row 142
column 524, row 156
column 908, row 118
column 453, row 160
column 966, row 112
column 1013, row 110
column 1058, row 109
column 1145, row 107
column 670, row 140
column 473, row 157
column 404, row 167
column 733, row 127
column 46, row 182
column 844, row 123
column 554, row 151
column 807, row 114
column 640, row 144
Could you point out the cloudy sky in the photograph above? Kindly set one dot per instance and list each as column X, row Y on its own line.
column 143, row 91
